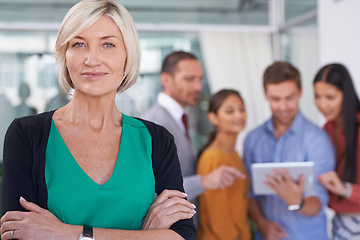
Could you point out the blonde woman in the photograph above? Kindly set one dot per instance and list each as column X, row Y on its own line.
column 86, row 170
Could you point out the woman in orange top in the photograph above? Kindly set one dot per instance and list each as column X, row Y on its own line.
column 223, row 212
column 336, row 98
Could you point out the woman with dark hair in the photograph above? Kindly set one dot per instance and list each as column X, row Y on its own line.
column 336, row 98
column 223, row 212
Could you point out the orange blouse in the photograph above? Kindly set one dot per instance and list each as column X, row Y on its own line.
column 223, row 212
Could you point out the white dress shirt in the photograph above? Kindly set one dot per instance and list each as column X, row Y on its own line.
column 173, row 107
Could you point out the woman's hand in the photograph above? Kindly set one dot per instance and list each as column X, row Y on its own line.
column 168, row 208
column 37, row 224
column 220, row 178
column 333, row 183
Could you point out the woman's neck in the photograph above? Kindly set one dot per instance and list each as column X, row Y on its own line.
column 225, row 142
column 97, row 112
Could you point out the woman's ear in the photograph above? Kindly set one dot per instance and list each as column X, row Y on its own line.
column 213, row 118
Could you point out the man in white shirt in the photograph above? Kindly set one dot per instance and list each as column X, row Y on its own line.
column 181, row 78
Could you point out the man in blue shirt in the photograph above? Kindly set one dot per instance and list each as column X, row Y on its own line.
column 287, row 137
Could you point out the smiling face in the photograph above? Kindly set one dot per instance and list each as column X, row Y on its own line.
column 185, row 85
column 231, row 115
column 284, row 102
column 96, row 59
column 329, row 100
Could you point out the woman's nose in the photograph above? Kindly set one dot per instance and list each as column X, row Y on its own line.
column 92, row 57
column 321, row 104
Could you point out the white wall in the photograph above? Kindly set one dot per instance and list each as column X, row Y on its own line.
column 339, row 35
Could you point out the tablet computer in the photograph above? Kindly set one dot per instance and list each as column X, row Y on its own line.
column 295, row 169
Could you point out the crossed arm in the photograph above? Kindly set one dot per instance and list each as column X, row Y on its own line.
column 38, row 223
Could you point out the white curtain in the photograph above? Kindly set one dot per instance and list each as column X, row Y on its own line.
column 304, row 55
column 237, row 61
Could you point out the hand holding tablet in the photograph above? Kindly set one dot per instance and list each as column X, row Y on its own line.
column 268, row 178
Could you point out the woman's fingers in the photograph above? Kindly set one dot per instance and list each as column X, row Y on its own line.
column 180, row 208
column 12, row 216
column 177, row 216
column 166, row 194
column 170, row 207
column 176, row 201
column 235, row 173
column 32, row 207
column 9, row 235
column 10, row 225
column 164, row 217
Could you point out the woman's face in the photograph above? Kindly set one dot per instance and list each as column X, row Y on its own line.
column 96, row 59
column 231, row 115
column 328, row 99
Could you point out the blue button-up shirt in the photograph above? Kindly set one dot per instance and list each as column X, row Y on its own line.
column 302, row 142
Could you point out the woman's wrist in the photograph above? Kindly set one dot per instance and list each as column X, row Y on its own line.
column 70, row 231
column 348, row 191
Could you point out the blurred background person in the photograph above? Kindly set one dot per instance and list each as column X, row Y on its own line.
column 60, row 100
column 287, row 136
column 181, row 79
column 337, row 100
column 224, row 211
column 23, row 109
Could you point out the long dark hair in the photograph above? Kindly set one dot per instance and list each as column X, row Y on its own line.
column 338, row 75
column 215, row 102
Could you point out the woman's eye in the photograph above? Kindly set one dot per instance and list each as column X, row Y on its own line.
column 78, row 44
column 109, row 45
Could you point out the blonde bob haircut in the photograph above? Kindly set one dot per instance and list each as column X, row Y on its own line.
column 82, row 16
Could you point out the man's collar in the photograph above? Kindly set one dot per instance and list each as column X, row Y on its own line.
column 171, row 105
column 295, row 126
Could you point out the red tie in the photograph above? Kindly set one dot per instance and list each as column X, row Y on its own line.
column 185, row 122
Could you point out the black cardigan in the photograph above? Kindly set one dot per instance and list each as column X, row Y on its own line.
column 24, row 165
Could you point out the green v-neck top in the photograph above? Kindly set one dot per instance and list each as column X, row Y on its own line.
column 120, row 203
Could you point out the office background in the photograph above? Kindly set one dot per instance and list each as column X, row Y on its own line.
column 234, row 39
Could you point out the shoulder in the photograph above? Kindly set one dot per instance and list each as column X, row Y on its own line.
column 29, row 133
column 211, row 158
column 32, row 124
column 212, row 153
column 155, row 130
column 329, row 127
column 33, row 120
column 133, row 122
column 314, row 138
column 253, row 136
column 310, row 130
column 161, row 116
column 156, row 112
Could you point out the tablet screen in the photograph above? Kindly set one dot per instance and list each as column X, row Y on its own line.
column 295, row 169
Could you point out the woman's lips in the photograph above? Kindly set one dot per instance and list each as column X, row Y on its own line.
column 93, row 75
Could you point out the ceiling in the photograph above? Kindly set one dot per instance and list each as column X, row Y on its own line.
column 225, row 12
